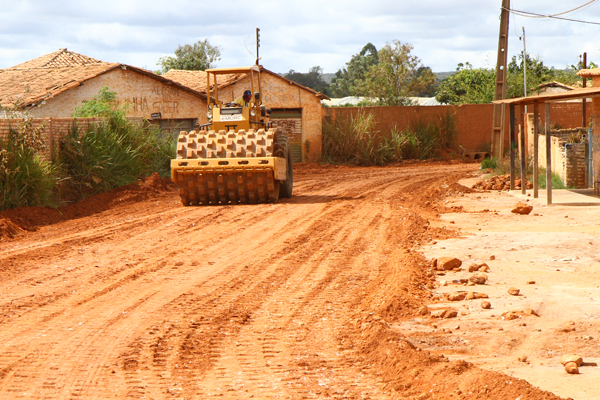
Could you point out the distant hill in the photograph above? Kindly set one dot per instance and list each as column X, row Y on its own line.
column 327, row 77
column 443, row 75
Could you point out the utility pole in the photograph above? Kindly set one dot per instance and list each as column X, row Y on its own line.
column 524, row 68
column 257, row 44
column 584, row 122
column 500, row 91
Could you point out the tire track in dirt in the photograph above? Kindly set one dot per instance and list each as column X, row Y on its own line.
column 222, row 375
column 278, row 300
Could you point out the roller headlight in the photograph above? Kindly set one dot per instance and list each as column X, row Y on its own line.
column 253, row 113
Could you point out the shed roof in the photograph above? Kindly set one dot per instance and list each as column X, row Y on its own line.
column 197, row 80
column 555, row 84
column 589, row 72
column 34, row 81
column 582, row 93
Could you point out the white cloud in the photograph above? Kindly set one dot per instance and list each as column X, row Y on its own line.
column 294, row 34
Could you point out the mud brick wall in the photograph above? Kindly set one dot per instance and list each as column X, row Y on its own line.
column 576, row 174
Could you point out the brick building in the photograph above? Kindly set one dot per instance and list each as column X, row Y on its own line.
column 52, row 86
column 296, row 109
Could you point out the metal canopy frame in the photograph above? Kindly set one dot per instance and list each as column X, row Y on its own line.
column 536, row 101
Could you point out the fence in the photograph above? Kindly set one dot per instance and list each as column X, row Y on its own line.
column 473, row 121
column 54, row 129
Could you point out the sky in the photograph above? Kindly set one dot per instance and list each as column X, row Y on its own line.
column 295, row 34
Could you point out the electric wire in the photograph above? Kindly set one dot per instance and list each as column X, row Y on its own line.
column 564, row 12
column 528, row 14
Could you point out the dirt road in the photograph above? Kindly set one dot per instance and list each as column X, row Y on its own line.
column 131, row 295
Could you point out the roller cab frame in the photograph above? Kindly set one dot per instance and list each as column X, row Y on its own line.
column 238, row 156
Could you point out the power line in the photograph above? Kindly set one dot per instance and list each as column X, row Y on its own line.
column 528, row 14
column 566, row 12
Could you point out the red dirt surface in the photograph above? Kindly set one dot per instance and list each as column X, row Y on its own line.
column 131, row 295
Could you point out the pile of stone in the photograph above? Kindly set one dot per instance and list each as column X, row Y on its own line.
column 499, row 182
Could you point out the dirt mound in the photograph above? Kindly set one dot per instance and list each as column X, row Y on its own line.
column 458, row 188
column 8, row 229
column 156, row 183
column 17, row 220
column 499, row 182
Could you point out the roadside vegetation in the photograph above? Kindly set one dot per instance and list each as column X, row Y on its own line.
column 26, row 179
column 356, row 140
column 109, row 153
column 502, row 167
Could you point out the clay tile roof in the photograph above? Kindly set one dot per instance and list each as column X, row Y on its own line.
column 556, row 84
column 33, row 81
column 589, row 73
column 197, row 79
column 60, row 58
column 32, row 85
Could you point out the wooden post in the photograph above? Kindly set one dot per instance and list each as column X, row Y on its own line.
column 523, row 153
column 536, row 183
column 548, row 157
column 500, row 90
column 513, row 145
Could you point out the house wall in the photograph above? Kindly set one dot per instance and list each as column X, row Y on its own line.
column 278, row 93
column 144, row 94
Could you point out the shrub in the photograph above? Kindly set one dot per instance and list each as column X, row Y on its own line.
column 112, row 153
column 26, row 179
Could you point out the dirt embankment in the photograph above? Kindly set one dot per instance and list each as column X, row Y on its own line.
column 131, row 295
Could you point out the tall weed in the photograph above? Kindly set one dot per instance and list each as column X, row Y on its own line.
column 26, row 179
column 112, row 153
column 355, row 140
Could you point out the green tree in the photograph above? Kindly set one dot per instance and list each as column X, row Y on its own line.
column 537, row 74
column 397, row 76
column 104, row 104
column 349, row 81
column 468, row 85
column 313, row 79
column 198, row 57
